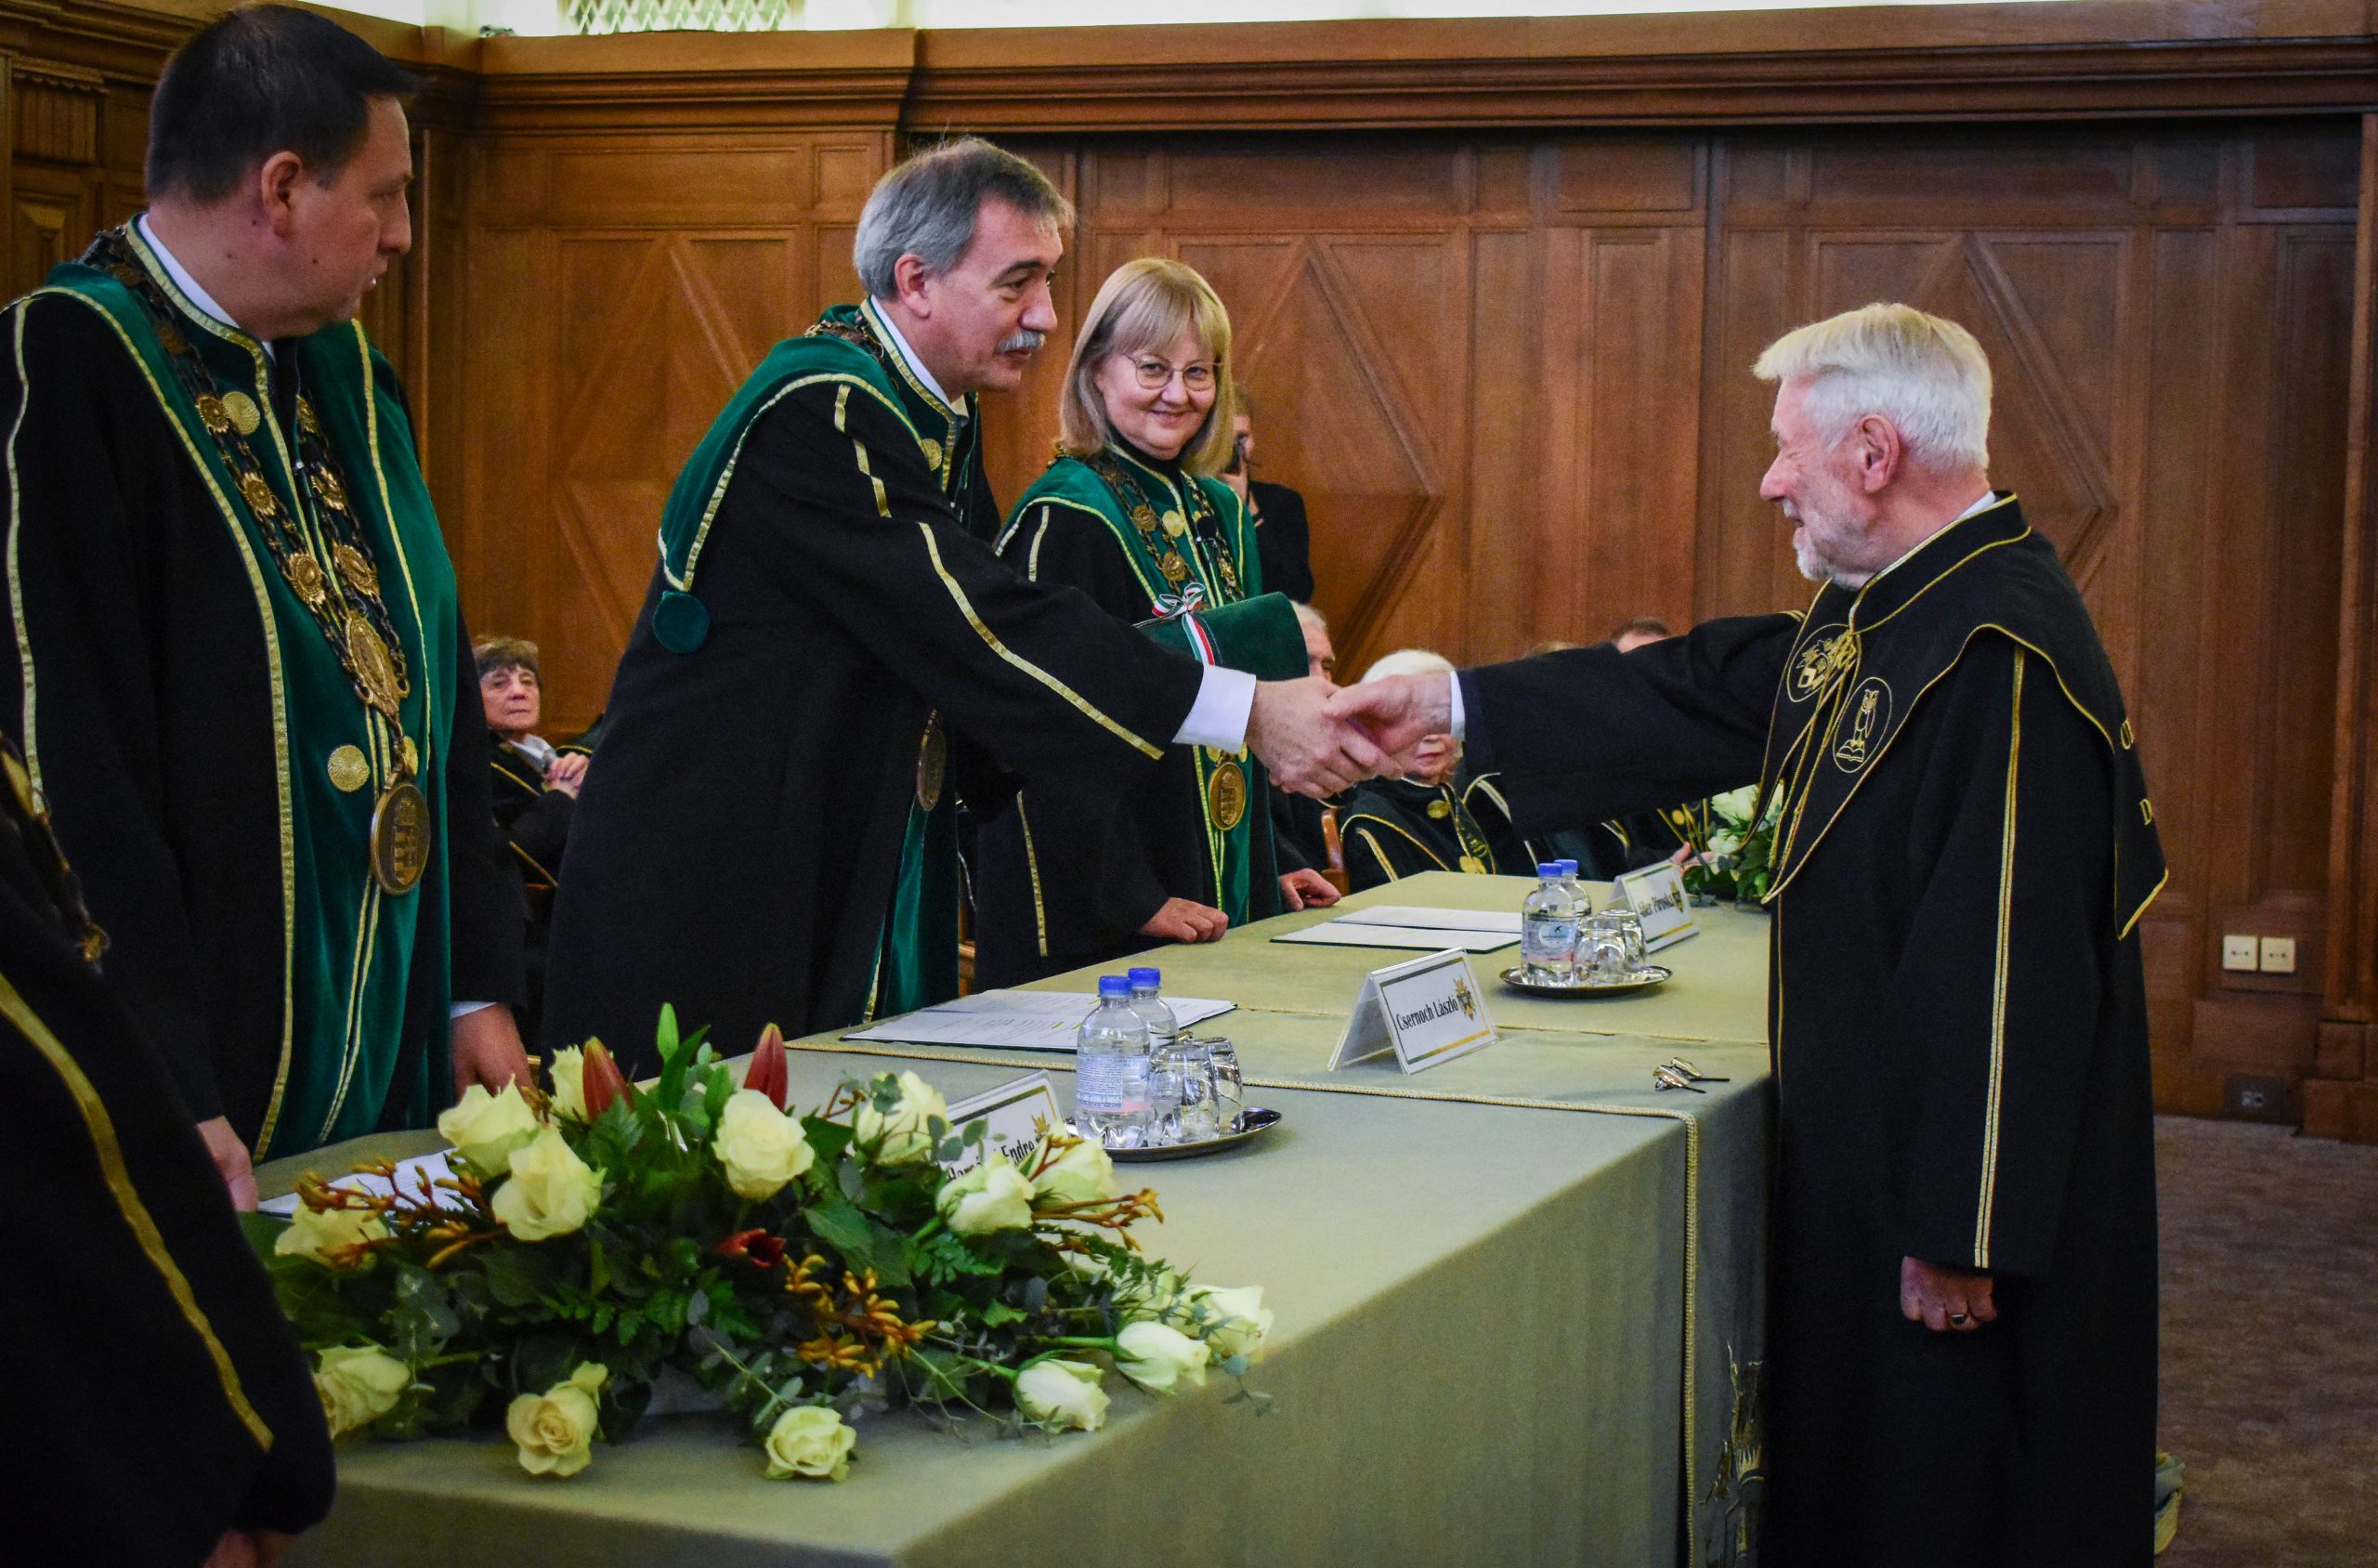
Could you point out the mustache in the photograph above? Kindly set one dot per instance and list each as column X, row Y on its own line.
column 1024, row 341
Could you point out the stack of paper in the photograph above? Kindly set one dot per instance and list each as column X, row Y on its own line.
column 1016, row 1020
column 414, row 1177
column 1404, row 925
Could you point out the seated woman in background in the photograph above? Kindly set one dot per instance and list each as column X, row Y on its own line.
column 1130, row 514
column 1433, row 819
column 535, row 784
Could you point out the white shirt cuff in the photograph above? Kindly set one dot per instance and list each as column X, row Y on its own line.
column 1226, row 700
column 462, row 1007
column 1459, row 722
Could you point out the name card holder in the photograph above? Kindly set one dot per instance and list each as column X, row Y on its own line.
column 1427, row 1010
column 1656, row 892
column 1018, row 1112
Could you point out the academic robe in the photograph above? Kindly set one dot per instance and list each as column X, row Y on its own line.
column 749, row 846
column 1284, row 539
column 1391, row 829
column 535, row 824
column 1959, row 1030
column 1066, row 879
column 202, row 751
column 156, row 1396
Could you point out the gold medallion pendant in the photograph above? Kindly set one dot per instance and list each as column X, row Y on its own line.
column 400, row 837
column 1226, row 796
column 933, row 764
column 1439, row 809
column 369, row 660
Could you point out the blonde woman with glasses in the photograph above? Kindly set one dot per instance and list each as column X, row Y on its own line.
column 1131, row 514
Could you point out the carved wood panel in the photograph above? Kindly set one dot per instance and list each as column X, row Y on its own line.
column 617, row 291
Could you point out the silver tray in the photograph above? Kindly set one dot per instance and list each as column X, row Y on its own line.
column 1643, row 979
column 1254, row 1122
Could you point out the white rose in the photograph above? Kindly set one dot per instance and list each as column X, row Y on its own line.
column 1724, row 841
column 569, row 1098
column 1232, row 1321
column 1735, row 805
column 1158, row 1358
column 904, row 1133
column 992, row 1196
column 552, row 1191
column 809, row 1441
column 1156, row 1295
column 555, row 1430
column 359, row 1386
column 1061, row 1394
column 332, row 1237
column 1082, row 1174
column 761, row 1147
column 486, row 1128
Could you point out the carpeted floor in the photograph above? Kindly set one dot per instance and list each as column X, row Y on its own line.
column 2270, row 1344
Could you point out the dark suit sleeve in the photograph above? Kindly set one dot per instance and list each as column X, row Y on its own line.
column 135, row 1311
column 1995, row 1006
column 1099, row 887
column 1593, row 733
column 488, row 913
column 1283, row 541
column 87, row 460
column 1044, row 680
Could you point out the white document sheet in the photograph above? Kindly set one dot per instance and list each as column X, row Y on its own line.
column 1016, row 1020
column 1413, row 917
column 413, row 1175
column 1427, row 939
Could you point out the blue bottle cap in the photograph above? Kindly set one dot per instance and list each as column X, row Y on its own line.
column 1113, row 986
column 1144, row 976
column 1547, row 869
column 1567, row 866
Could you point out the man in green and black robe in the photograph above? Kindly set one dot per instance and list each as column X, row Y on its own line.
column 1960, row 1345
column 1067, row 880
column 1391, row 828
column 767, row 838
column 240, row 674
column 151, row 1315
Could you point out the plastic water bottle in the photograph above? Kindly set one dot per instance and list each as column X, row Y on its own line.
column 1576, row 887
column 1111, row 1069
column 1148, row 1003
column 1180, row 1094
column 1548, row 930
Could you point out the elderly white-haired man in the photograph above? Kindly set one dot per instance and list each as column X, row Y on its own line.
column 771, row 837
column 1960, row 1361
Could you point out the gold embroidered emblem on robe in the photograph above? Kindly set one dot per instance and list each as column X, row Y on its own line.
column 348, row 771
column 245, row 415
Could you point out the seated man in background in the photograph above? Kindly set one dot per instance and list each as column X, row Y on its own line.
column 1433, row 819
column 535, row 783
column 1283, row 538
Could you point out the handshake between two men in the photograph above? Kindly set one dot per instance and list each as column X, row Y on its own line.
column 1318, row 740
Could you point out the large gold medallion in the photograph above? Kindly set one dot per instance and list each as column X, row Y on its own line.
column 242, row 409
column 1226, row 796
column 933, row 764
column 400, row 837
column 369, row 661
column 348, row 771
column 357, row 569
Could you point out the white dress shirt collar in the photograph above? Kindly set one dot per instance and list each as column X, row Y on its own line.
column 191, row 288
column 882, row 318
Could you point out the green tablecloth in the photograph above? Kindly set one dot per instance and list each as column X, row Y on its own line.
column 1490, row 1309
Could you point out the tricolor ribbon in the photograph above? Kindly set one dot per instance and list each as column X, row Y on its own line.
column 1183, row 606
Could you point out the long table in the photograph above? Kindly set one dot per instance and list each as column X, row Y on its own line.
column 1517, row 1296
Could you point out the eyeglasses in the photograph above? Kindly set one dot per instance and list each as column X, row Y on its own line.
column 1156, row 374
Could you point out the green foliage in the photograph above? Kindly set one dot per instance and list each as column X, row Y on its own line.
column 761, row 1301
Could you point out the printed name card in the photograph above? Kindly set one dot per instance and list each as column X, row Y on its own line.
column 1656, row 892
column 1018, row 1112
column 1427, row 1010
